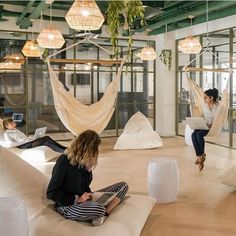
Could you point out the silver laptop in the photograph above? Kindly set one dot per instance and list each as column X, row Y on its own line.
column 197, row 123
column 103, row 198
column 39, row 133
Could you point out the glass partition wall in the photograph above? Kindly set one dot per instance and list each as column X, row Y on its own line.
column 27, row 90
column 223, row 45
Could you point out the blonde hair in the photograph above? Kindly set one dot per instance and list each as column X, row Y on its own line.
column 5, row 123
column 84, row 149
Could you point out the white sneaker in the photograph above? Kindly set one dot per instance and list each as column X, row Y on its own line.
column 98, row 221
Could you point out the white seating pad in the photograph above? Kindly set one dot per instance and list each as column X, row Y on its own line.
column 138, row 134
column 36, row 154
column 20, row 179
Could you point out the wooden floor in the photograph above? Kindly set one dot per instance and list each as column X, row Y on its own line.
column 204, row 206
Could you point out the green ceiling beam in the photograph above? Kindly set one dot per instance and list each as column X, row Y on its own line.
column 198, row 20
column 17, row 14
column 182, row 6
column 178, row 16
column 25, row 12
column 26, row 23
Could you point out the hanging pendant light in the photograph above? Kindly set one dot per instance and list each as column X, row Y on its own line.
column 148, row 54
column 31, row 49
column 50, row 37
column 190, row 45
column 84, row 15
column 9, row 66
column 14, row 58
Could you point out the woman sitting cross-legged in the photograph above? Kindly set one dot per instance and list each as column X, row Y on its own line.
column 20, row 140
column 71, row 178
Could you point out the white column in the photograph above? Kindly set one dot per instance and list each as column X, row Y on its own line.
column 165, row 87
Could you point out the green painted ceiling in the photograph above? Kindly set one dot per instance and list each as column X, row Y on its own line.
column 157, row 13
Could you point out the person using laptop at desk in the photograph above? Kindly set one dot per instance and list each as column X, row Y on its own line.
column 20, row 140
column 209, row 111
column 69, row 186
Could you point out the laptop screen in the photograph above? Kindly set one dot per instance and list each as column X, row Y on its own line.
column 17, row 117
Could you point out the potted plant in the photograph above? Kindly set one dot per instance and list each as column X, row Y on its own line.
column 166, row 57
column 131, row 10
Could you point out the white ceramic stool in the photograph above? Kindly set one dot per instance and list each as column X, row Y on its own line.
column 163, row 179
column 13, row 217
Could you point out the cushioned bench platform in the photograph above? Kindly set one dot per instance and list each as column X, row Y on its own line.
column 20, row 179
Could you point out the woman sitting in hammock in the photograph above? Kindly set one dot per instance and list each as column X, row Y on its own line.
column 20, row 140
column 209, row 111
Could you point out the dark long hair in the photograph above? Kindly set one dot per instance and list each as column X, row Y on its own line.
column 212, row 93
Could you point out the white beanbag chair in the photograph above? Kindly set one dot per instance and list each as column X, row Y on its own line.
column 138, row 134
column 188, row 135
column 229, row 177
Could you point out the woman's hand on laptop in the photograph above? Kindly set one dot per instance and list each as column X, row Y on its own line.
column 84, row 197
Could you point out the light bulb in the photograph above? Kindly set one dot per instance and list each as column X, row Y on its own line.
column 87, row 67
column 85, row 12
column 51, row 36
column 17, row 57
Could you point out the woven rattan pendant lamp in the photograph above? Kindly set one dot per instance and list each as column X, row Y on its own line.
column 50, row 37
column 84, row 15
column 190, row 45
column 31, row 49
column 148, row 54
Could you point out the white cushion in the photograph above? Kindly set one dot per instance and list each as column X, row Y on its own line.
column 1, row 134
column 188, row 135
column 138, row 134
column 20, row 179
column 229, row 177
column 36, row 154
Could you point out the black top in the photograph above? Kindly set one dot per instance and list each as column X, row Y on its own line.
column 67, row 181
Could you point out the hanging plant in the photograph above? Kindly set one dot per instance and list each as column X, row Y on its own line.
column 166, row 57
column 131, row 10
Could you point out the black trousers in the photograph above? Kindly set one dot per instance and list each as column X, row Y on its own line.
column 44, row 141
column 198, row 141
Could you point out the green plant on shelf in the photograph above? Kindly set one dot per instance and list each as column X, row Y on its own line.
column 166, row 57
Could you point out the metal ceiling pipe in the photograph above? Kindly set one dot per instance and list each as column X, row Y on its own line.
column 177, row 10
column 7, row 13
column 199, row 11
column 26, row 10
column 198, row 20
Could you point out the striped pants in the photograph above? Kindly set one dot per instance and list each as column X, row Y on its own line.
column 90, row 210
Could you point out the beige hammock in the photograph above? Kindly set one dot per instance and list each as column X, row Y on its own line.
column 78, row 117
column 196, row 104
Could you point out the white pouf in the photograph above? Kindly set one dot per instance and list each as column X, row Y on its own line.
column 163, row 179
column 13, row 217
column 188, row 135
